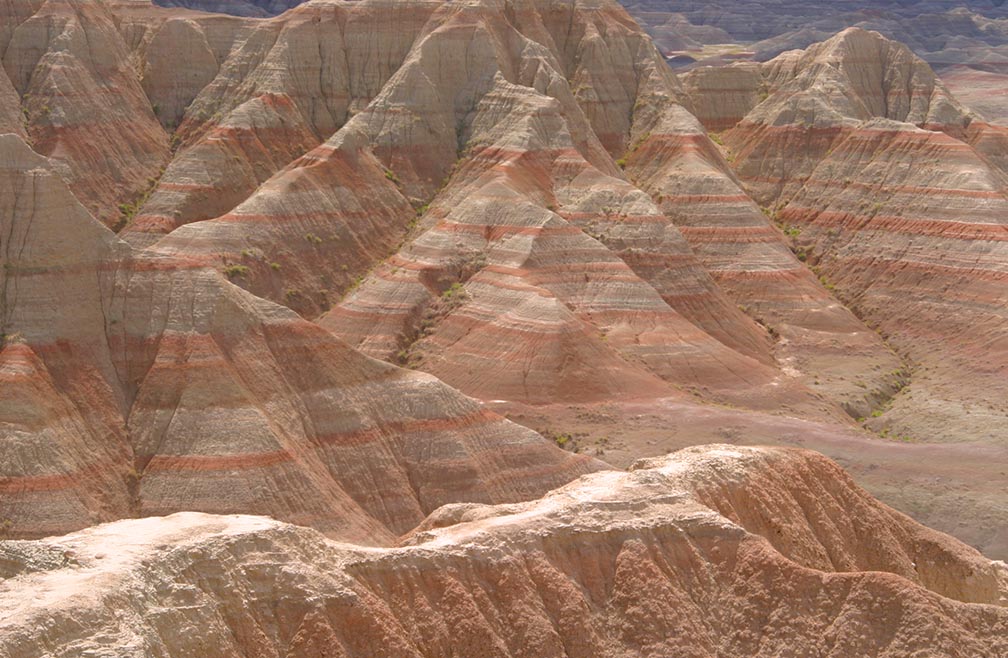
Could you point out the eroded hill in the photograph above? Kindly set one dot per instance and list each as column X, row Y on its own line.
column 308, row 266
column 707, row 552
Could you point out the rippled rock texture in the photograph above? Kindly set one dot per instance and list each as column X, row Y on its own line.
column 707, row 552
column 301, row 266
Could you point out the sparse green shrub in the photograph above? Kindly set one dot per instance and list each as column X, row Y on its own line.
column 454, row 292
column 232, row 271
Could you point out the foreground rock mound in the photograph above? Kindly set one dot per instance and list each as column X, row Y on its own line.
column 686, row 555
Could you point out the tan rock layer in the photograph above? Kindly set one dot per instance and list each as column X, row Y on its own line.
column 169, row 388
column 83, row 103
column 616, row 564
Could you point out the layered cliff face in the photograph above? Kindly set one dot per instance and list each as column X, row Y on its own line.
column 81, row 101
column 66, row 460
column 282, row 88
column 890, row 190
column 352, row 234
column 916, row 240
column 168, row 388
column 819, row 94
column 413, row 126
column 534, row 216
column 814, row 339
column 682, row 555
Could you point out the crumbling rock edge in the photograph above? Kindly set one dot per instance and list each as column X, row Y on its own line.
column 685, row 552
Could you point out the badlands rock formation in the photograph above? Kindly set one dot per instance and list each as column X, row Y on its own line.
column 965, row 42
column 818, row 341
column 170, row 389
column 300, row 267
column 707, row 552
column 81, row 101
column 941, row 31
column 274, row 91
column 892, row 191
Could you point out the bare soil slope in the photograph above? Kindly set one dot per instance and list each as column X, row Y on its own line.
column 710, row 551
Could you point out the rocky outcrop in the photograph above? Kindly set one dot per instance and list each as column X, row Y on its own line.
column 879, row 176
column 220, row 171
column 685, row 554
column 12, row 120
column 285, row 86
column 721, row 96
column 498, row 269
column 813, row 337
column 309, row 232
column 821, row 93
column 66, row 460
column 908, row 224
column 364, row 205
column 439, row 126
column 82, row 101
column 168, row 388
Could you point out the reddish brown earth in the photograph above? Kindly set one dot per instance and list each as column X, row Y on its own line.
column 330, row 267
column 172, row 389
column 892, row 195
column 711, row 551
column 81, row 100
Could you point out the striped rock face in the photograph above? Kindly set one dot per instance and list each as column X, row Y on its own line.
column 257, row 95
column 536, row 256
column 299, row 266
column 910, row 225
column 893, row 193
column 672, row 558
column 819, row 94
column 81, row 101
column 816, row 339
column 501, row 283
column 167, row 388
column 65, row 452
column 416, row 188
